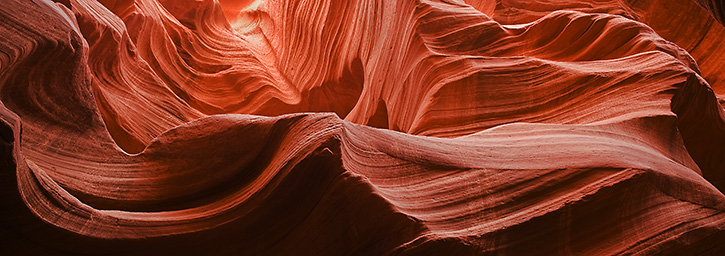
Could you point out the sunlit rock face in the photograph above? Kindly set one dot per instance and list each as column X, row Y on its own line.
column 364, row 127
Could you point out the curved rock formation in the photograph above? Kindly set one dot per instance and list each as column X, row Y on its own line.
column 275, row 127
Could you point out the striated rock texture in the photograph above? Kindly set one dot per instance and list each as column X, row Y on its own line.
column 365, row 127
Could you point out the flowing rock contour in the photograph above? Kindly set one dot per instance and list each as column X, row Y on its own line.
column 281, row 127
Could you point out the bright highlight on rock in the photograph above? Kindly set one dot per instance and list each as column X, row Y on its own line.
column 363, row 127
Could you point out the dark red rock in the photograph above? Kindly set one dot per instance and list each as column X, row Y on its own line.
column 145, row 127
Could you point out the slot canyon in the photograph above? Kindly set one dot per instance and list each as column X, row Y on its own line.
column 362, row 127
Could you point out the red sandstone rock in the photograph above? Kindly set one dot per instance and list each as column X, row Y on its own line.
column 145, row 127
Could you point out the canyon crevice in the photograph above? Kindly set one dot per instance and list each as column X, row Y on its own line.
column 366, row 127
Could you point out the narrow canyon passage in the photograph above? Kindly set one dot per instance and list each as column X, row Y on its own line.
column 365, row 127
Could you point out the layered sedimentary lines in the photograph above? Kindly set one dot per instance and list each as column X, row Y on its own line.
column 361, row 127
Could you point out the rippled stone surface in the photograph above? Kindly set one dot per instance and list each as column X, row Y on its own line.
column 281, row 127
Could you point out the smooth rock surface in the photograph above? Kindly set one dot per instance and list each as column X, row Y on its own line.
column 365, row 127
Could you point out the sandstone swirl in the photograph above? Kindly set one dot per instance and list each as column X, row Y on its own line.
column 278, row 127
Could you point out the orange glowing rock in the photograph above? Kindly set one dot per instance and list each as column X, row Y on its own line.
column 282, row 127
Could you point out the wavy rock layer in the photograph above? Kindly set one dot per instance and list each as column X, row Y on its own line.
column 145, row 127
